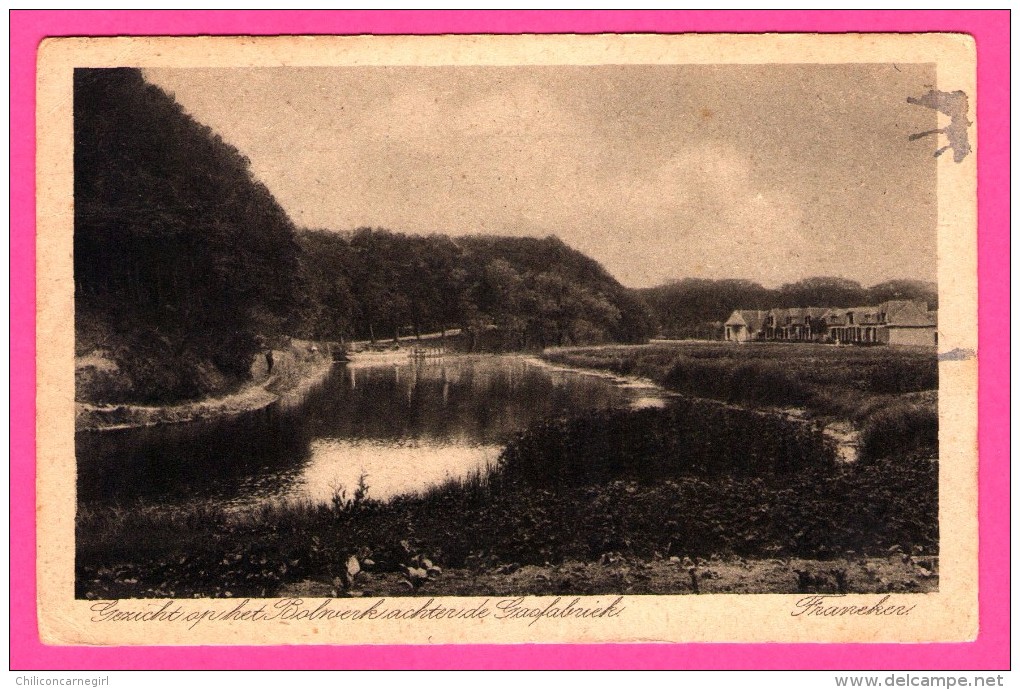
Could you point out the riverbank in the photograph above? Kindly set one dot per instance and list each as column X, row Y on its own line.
column 816, row 531
column 872, row 401
column 582, row 502
column 295, row 370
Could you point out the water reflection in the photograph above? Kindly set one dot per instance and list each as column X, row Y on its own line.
column 389, row 468
column 250, row 455
column 405, row 425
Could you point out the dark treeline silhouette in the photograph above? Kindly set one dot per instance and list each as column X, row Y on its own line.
column 181, row 257
column 697, row 308
column 186, row 266
column 532, row 293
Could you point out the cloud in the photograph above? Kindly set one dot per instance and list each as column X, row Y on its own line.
column 770, row 173
column 704, row 212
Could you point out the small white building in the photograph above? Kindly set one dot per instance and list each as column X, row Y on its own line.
column 745, row 325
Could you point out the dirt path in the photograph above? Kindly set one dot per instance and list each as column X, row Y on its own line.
column 384, row 343
column 295, row 371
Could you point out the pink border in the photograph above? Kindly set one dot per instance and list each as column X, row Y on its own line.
column 990, row 651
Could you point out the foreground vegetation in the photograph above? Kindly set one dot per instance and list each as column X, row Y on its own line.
column 694, row 483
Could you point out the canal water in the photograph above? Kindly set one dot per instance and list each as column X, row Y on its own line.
column 402, row 425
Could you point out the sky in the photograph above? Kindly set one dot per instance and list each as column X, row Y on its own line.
column 771, row 173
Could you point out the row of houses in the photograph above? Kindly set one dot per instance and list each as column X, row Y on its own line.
column 896, row 322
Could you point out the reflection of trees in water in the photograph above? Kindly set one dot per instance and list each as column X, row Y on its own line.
column 468, row 402
column 479, row 401
column 189, row 461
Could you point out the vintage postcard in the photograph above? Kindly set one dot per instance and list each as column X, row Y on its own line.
column 507, row 339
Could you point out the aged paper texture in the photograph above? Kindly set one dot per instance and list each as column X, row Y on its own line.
column 516, row 136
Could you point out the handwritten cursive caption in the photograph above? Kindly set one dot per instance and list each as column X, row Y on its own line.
column 822, row 605
column 295, row 609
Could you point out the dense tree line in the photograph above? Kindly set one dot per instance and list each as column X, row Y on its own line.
column 186, row 266
column 376, row 284
column 180, row 256
column 696, row 308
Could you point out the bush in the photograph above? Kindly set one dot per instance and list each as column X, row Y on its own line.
column 696, row 437
column 738, row 382
column 899, row 429
column 905, row 376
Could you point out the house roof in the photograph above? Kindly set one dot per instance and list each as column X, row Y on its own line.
column 895, row 305
column 798, row 314
column 865, row 315
column 912, row 315
column 795, row 314
column 752, row 318
column 902, row 313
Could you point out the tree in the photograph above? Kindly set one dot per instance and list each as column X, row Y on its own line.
column 176, row 245
column 532, row 292
column 905, row 290
column 328, row 308
column 823, row 291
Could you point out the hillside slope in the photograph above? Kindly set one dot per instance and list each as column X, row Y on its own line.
column 182, row 259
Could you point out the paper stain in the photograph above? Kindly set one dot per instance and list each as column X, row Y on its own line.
column 957, row 355
column 955, row 105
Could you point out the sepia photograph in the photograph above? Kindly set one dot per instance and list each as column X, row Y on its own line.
column 516, row 340
column 536, row 330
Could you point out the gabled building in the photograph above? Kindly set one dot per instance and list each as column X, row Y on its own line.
column 800, row 323
column 896, row 322
column 853, row 324
column 744, row 325
column 909, row 323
